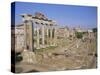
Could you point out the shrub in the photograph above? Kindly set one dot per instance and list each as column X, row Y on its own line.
column 79, row 35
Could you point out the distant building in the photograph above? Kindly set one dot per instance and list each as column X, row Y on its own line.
column 78, row 29
column 63, row 32
column 17, row 38
column 90, row 34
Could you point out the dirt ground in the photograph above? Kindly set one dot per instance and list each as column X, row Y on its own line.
column 68, row 55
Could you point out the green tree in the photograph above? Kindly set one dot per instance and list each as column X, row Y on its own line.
column 94, row 30
column 79, row 35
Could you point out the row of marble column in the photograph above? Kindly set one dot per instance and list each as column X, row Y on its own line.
column 29, row 30
column 51, row 41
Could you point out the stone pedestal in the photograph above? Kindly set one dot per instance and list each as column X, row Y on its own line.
column 28, row 57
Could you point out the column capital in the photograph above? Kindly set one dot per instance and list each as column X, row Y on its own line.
column 26, row 17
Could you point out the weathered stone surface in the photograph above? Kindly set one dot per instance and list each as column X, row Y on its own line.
column 45, row 56
column 50, row 54
column 28, row 57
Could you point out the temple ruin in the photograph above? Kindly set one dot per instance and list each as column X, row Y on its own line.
column 36, row 31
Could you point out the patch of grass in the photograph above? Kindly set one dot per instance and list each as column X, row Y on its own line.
column 46, row 49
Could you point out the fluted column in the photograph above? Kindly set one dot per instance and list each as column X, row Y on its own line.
column 43, row 36
column 28, row 31
column 51, row 36
column 47, row 38
column 55, row 36
column 30, row 35
column 38, row 41
column 25, row 34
